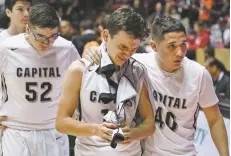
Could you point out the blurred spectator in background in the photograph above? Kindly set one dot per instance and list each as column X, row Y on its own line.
column 17, row 12
column 219, row 33
column 202, row 34
column 55, row 4
column 66, row 29
column 191, row 44
column 166, row 5
column 191, row 38
column 227, row 34
column 173, row 12
column 220, row 80
column 157, row 13
column 87, row 35
column 220, row 8
column 99, row 32
column 209, row 53
column 102, row 25
column 184, row 11
column 138, row 7
column 4, row 20
column 205, row 10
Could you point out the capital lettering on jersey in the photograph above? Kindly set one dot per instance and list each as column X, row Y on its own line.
column 52, row 72
column 169, row 101
column 105, row 98
column 38, row 90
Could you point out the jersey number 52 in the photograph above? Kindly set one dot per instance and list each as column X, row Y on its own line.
column 33, row 96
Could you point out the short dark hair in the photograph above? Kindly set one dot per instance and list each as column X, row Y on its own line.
column 126, row 19
column 218, row 64
column 166, row 24
column 9, row 4
column 44, row 16
column 86, row 24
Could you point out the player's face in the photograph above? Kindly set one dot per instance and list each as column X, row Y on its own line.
column 42, row 38
column 213, row 70
column 19, row 14
column 171, row 50
column 66, row 29
column 121, row 46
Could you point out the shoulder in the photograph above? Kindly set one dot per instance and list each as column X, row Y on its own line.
column 192, row 66
column 4, row 33
column 136, row 63
column 134, row 66
column 145, row 58
column 139, row 56
column 78, row 66
column 61, row 42
column 15, row 41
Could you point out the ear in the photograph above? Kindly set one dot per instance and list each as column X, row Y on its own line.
column 27, row 29
column 153, row 45
column 8, row 12
column 106, row 35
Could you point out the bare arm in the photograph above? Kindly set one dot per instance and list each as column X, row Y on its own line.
column 67, row 105
column 147, row 127
column 217, row 129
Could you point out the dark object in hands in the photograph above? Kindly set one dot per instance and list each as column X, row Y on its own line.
column 117, row 137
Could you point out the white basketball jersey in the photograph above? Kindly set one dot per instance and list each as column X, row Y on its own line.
column 4, row 35
column 178, row 97
column 31, row 81
column 94, row 108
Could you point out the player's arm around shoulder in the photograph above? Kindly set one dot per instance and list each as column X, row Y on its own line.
column 208, row 101
column 147, row 127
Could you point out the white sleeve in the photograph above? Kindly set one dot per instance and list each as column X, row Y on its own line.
column 207, row 96
column 2, row 67
column 74, row 54
column 138, row 57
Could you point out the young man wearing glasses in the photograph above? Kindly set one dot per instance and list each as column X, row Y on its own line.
column 32, row 67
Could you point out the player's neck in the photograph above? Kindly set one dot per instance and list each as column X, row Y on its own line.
column 116, row 66
column 30, row 42
column 13, row 30
column 164, row 68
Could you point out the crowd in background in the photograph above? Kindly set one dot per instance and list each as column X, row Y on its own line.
column 207, row 22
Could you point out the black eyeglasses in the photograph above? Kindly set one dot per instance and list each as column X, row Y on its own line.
column 44, row 39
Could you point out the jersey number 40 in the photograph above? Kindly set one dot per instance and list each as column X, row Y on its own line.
column 170, row 119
